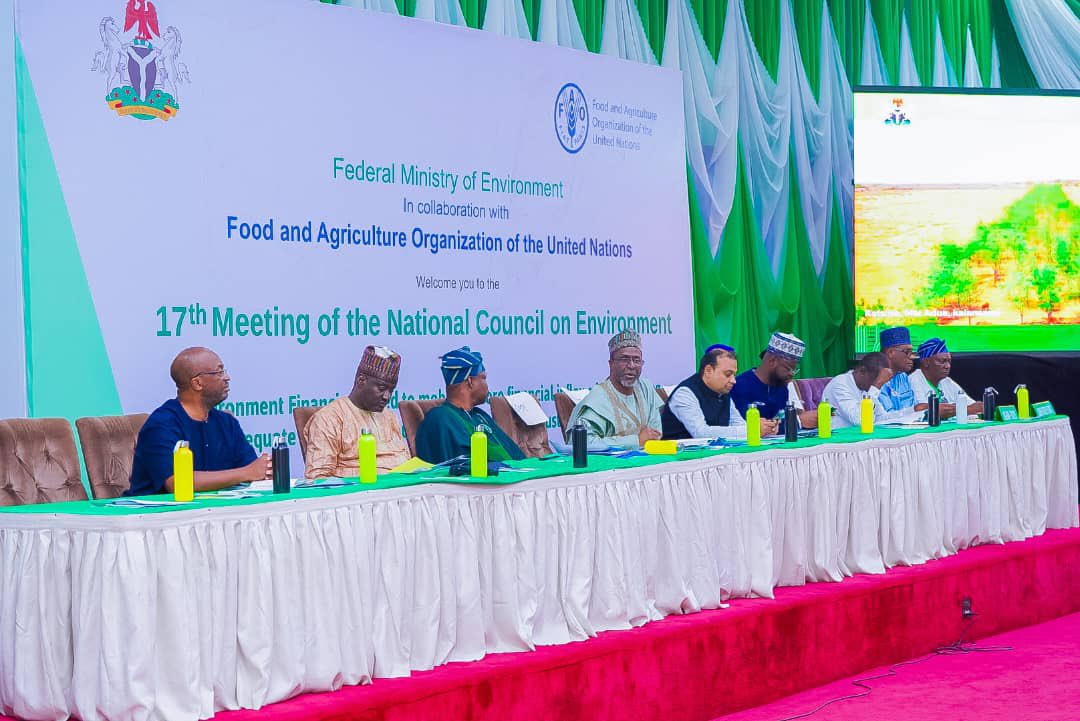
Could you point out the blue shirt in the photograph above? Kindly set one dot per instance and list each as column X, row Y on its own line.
column 217, row 444
column 897, row 394
column 750, row 389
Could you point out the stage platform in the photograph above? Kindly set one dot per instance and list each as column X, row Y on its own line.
column 700, row 666
column 703, row 665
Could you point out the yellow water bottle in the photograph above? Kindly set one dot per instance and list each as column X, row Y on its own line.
column 365, row 452
column 824, row 420
column 478, row 453
column 183, row 464
column 753, row 425
column 1023, row 401
column 866, row 415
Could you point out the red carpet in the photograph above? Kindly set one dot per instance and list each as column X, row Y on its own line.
column 1039, row 680
column 704, row 665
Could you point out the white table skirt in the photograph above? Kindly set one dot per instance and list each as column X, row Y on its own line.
column 178, row 615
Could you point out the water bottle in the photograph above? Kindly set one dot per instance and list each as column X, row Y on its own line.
column 183, row 472
column 753, row 425
column 866, row 414
column 933, row 410
column 989, row 403
column 579, row 439
column 478, row 453
column 962, row 403
column 279, row 460
column 365, row 453
column 824, row 420
column 1023, row 401
column 791, row 424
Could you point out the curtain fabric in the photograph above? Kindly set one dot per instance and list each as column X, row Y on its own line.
column 768, row 101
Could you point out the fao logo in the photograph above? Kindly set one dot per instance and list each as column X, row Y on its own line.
column 571, row 118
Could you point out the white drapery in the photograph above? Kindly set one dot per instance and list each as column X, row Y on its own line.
column 177, row 615
column 1049, row 33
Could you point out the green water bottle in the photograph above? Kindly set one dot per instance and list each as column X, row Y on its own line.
column 478, row 454
column 366, row 454
column 824, row 420
column 753, row 425
column 1023, row 401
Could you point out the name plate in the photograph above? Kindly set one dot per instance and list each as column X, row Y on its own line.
column 1007, row 413
column 1043, row 409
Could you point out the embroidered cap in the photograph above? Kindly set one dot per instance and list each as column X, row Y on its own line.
column 626, row 339
column 460, row 365
column 895, row 336
column 785, row 345
column 380, row 362
column 932, row 347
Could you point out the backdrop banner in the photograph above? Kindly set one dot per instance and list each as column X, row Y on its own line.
column 286, row 182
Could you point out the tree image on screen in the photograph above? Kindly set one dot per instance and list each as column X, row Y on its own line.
column 1027, row 261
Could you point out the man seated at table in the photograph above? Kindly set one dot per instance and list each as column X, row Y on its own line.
column 770, row 384
column 447, row 429
column 333, row 432
column 897, row 395
column 701, row 407
column 933, row 377
column 222, row 455
column 845, row 392
column 623, row 409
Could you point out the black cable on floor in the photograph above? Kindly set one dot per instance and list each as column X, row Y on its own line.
column 957, row 648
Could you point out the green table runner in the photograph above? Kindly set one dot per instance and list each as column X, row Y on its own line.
column 528, row 469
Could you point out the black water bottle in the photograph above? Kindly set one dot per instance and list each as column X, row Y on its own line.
column 933, row 410
column 791, row 424
column 579, row 439
column 279, row 457
column 989, row 403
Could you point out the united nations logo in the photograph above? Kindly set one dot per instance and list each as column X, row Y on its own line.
column 141, row 66
column 571, row 118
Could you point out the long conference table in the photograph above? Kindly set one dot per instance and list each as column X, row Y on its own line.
column 117, row 612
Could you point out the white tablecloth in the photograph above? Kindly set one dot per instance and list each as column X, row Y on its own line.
column 177, row 615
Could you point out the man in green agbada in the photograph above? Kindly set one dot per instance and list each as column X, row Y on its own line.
column 447, row 429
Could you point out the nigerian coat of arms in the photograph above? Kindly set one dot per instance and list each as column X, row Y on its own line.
column 142, row 66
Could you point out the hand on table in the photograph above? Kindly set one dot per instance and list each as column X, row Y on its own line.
column 261, row 469
column 770, row 426
column 647, row 434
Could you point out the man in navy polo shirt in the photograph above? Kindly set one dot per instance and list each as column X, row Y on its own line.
column 223, row 457
column 770, row 384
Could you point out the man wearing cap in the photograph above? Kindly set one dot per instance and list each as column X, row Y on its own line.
column 846, row 391
column 701, row 407
column 333, row 432
column 623, row 409
column 897, row 395
column 447, row 429
column 933, row 377
column 770, row 384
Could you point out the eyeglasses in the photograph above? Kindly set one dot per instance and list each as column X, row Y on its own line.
column 628, row 361
column 218, row 373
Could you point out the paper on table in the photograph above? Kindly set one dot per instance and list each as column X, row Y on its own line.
column 577, row 395
column 914, row 419
column 527, row 409
column 413, row 464
column 140, row 503
column 269, row 485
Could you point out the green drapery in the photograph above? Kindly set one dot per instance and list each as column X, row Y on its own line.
column 737, row 296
